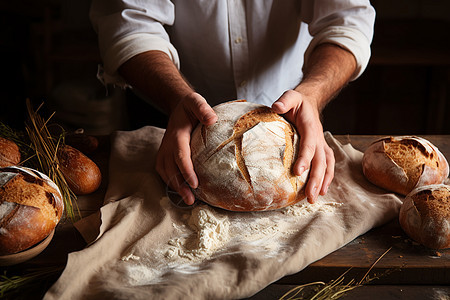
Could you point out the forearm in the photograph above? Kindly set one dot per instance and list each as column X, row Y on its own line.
column 153, row 74
column 327, row 71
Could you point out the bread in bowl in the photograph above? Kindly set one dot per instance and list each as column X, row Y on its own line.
column 244, row 161
column 425, row 215
column 31, row 206
column 400, row 164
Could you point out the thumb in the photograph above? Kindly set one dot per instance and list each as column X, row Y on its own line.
column 286, row 102
column 200, row 108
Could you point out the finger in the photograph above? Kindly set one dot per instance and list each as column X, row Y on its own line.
column 329, row 174
column 307, row 149
column 202, row 111
column 316, row 176
column 184, row 161
column 177, row 183
column 286, row 102
column 186, row 193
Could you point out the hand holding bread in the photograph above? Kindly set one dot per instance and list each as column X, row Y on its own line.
column 244, row 161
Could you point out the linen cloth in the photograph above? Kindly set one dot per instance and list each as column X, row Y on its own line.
column 232, row 49
column 141, row 246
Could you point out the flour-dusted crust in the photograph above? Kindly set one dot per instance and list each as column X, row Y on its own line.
column 31, row 206
column 244, row 161
column 400, row 164
column 425, row 215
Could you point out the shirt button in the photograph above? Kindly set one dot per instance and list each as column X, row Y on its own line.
column 238, row 40
column 243, row 83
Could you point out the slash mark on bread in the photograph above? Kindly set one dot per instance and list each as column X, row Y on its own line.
column 247, row 122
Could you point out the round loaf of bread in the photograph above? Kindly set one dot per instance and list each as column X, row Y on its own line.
column 425, row 215
column 244, row 161
column 31, row 206
column 82, row 175
column 9, row 153
column 400, row 164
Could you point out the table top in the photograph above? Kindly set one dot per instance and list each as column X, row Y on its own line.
column 406, row 269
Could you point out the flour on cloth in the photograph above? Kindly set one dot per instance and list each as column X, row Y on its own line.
column 204, row 232
column 147, row 247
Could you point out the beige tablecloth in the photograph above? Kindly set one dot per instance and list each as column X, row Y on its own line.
column 141, row 246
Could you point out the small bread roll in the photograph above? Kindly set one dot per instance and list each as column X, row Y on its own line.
column 31, row 206
column 9, row 153
column 244, row 161
column 82, row 175
column 400, row 164
column 425, row 216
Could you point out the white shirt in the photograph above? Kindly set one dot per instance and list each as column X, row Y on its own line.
column 232, row 49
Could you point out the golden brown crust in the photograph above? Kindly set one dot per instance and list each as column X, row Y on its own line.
column 400, row 164
column 231, row 160
column 31, row 207
column 9, row 153
column 425, row 216
column 82, row 175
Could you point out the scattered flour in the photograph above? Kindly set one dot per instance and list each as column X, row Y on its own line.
column 304, row 209
column 203, row 232
column 130, row 256
column 210, row 231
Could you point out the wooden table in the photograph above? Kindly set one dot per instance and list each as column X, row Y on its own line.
column 407, row 271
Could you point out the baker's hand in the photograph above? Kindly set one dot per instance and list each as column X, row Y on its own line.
column 173, row 161
column 314, row 152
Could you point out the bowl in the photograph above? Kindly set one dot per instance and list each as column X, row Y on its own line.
column 19, row 257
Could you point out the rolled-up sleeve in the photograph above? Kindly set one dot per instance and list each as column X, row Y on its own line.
column 130, row 27
column 348, row 24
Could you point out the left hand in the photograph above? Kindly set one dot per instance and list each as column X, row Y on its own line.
column 314, row 153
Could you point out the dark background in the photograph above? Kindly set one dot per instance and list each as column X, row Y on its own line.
column 49, row 55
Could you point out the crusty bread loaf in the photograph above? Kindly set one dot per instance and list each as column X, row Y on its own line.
column 425, row 215
column 244, row 161
column 82, row 175
column 400, row 164
column 9, row 153
column 31, row 206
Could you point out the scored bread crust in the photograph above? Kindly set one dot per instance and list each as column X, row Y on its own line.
column 244, row 161
column 31, row 206
column 425, row 215
column 400, row 164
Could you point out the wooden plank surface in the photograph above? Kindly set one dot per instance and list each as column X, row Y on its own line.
column 406, row 263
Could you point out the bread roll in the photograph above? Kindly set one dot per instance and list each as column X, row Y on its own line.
column 9, row 153
column 425, row 215
column 400, row 164
column 31, row 206
column 82, row 175
column 244, row 161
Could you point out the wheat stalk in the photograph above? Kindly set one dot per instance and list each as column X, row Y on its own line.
column 12, row 284
column 335, row 289
column 45, row 148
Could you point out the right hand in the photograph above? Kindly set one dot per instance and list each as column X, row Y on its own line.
column 173, row 161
